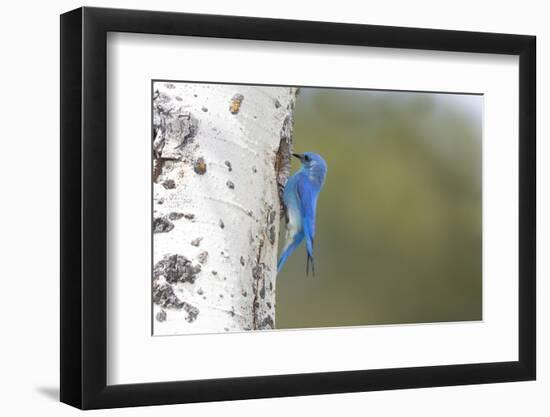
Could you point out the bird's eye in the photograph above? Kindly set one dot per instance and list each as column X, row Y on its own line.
column 307, row 158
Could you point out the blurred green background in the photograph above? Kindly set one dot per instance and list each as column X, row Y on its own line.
column 398, row 235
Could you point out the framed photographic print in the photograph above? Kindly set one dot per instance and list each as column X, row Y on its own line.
column 258, row 207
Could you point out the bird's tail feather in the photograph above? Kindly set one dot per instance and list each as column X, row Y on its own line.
column 288, row 251
column 309, row 250
column 310, row 261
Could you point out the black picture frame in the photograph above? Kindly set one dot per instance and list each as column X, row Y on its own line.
column 84, row 207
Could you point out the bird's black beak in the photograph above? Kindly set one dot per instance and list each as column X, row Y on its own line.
column 297, row 155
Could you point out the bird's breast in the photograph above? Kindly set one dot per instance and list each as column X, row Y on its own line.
column 294, row 220
column 293, row 209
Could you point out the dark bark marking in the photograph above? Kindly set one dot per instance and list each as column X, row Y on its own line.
column 176, row 268
column 262, row 290
column 169, row 184
column 158, row 164
column 267, row 323
column 161, row 316
column 271, row 235
column 192, row 312
column 203, row 257
column 175, row 216
column 163, row 295
column 282, row 158
column 200, row 166
column 173, row 128
column 235, row 104
column 186, row 128
column 257, row 276
column 162, row 225
column 196, row 242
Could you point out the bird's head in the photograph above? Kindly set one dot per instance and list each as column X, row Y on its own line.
column 313, row 164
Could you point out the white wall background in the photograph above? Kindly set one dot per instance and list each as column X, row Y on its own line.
column 30, row 195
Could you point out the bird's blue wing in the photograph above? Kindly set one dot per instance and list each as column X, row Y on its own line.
column 307, row 195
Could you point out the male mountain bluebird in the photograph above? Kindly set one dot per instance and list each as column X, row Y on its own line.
column 300, row 197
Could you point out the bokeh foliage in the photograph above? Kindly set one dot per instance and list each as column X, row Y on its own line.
column 399, row 219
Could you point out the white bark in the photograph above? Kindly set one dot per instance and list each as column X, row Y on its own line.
column 219, row 153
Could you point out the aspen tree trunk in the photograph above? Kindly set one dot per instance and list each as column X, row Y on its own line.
column 221, row 157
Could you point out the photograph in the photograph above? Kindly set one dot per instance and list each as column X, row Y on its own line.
column 258, row 206
column 302, row 207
